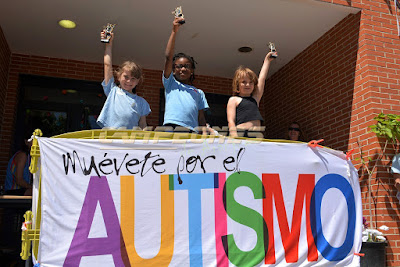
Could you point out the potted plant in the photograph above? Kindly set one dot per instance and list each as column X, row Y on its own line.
column 387, row 129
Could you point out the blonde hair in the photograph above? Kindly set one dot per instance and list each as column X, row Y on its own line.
column 135, row 70
column 240, row 73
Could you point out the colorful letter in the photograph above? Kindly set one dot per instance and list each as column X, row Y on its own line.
column 164, row 256
column 290, row 238
column 245, row 216
column 327, row 182
column 220, row 221
column 98, row 191
column 194, row 183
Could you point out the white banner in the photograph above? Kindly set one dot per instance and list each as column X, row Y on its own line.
column 163, row 203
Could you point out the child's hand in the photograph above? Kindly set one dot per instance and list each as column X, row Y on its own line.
column 176, row 24
column 103, row 35
column 269, row 56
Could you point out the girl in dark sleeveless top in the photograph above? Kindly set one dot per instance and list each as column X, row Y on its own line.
column 242, row 109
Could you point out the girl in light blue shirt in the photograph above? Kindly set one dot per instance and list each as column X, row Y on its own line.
column 184, row 103
column 123, row 107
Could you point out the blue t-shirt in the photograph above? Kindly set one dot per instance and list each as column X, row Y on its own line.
column 182, row 103
column 396, row 164
column 11, row 180
column 121, row 109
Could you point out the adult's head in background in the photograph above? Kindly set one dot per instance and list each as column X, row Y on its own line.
column 294, row 132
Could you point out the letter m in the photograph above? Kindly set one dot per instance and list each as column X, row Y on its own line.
column 290, row 237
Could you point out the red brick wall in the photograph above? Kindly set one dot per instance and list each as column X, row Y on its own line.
column 316, row 88
column 335, row 88
column 5, row 55
column 379, row 91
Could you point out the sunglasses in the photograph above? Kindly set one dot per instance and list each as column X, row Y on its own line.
column 180, row 66
column 294, row 129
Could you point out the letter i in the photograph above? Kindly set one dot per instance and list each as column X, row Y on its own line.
column 220, row 220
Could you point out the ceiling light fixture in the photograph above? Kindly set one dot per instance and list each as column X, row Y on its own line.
column 67, row 24
column 245, row 49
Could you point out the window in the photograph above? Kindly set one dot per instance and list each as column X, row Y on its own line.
column 57, row 105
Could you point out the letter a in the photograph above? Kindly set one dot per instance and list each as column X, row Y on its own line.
column 98, row 191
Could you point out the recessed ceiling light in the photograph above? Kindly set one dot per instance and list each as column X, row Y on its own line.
column 68, row 24
column 245, row 49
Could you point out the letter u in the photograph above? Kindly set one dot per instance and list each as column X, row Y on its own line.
column 164, row 256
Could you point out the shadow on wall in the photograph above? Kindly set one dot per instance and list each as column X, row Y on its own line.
column 316, row 88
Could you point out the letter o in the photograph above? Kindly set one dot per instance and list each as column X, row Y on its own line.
column 327, row 182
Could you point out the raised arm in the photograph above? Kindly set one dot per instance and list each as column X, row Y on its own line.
column 169, row 51
column 259, row 91
column 108, row 72
column 231, row 116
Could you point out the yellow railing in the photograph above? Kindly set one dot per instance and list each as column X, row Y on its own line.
column 28, row 235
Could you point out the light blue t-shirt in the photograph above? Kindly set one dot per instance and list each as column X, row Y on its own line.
column 182, row 103
column 121, row 109
column 396, row 164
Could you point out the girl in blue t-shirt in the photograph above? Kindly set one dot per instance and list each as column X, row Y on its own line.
column 184, row 103
column 123, row 107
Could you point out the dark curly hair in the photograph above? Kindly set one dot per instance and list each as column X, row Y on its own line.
column 191, row 60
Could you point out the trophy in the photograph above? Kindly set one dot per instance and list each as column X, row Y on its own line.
column 178, row 14
column 107, row 31
column 272, row 49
